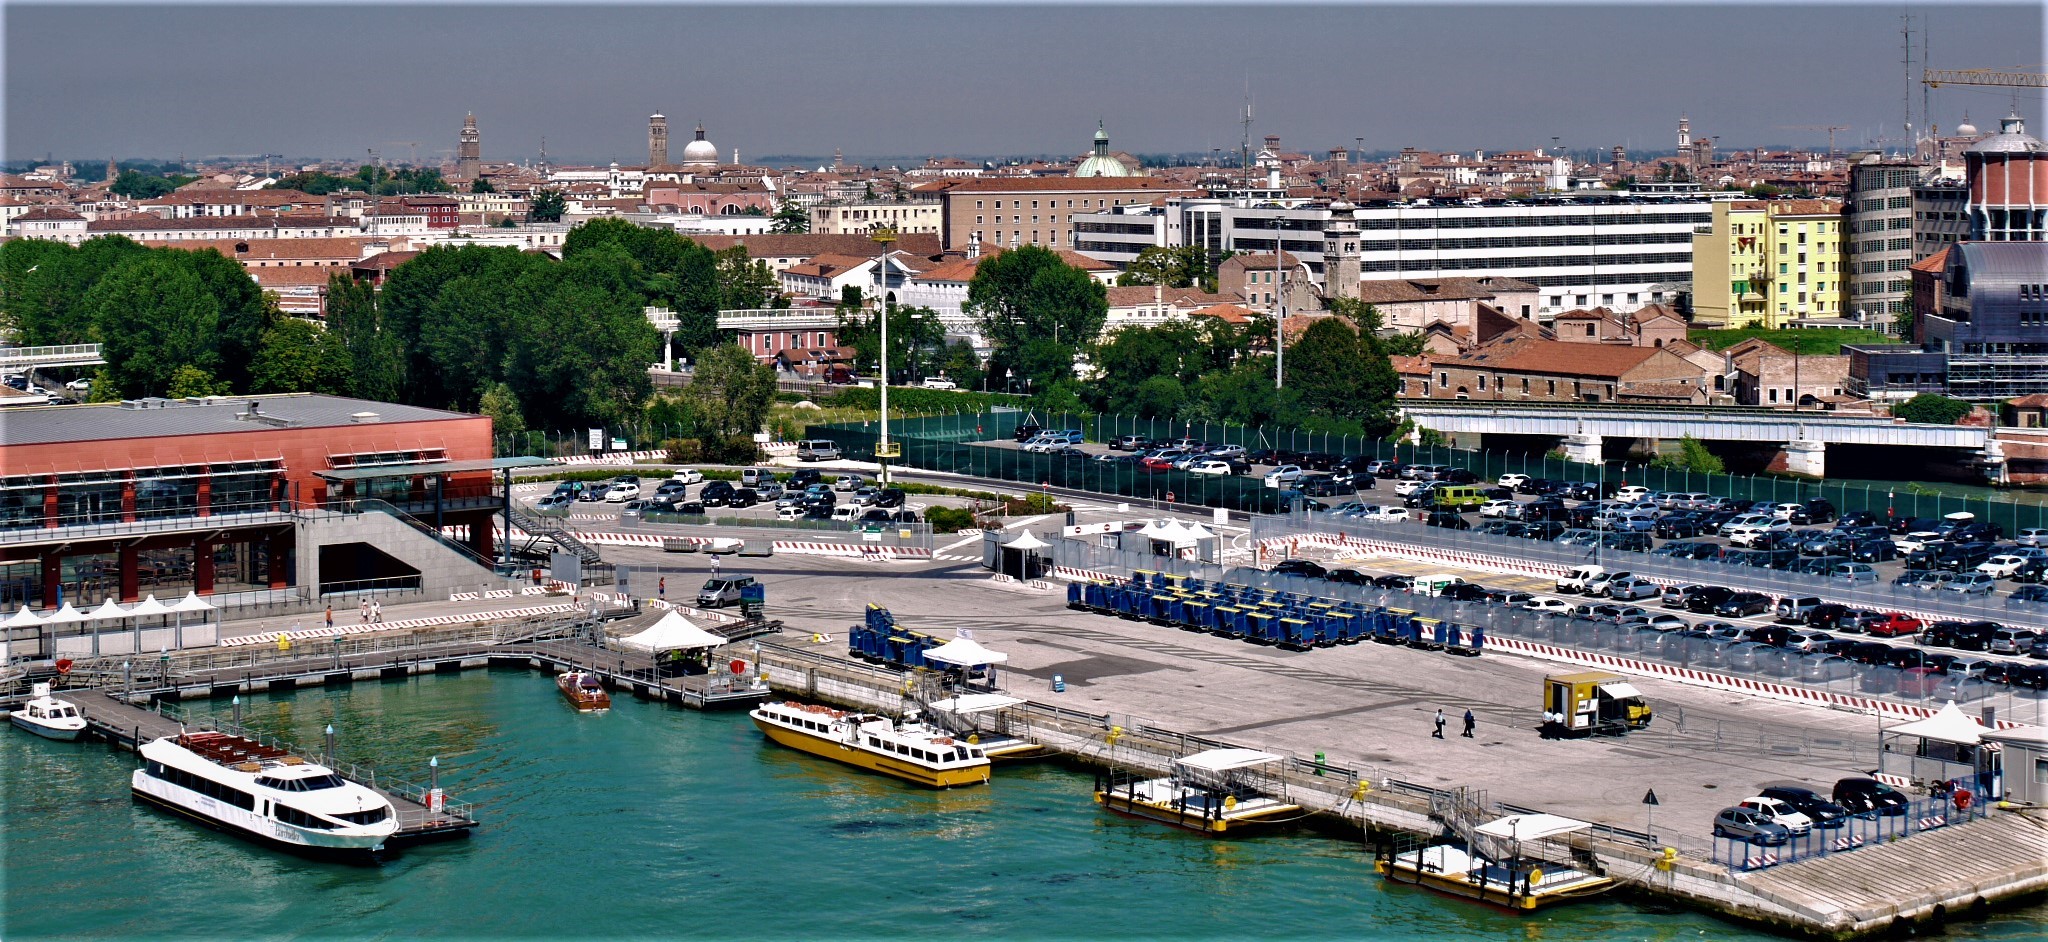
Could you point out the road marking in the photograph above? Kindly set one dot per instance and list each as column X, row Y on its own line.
column 972, row 539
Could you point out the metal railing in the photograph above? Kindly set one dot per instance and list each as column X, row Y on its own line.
column 1854, row 832
column 361, row 505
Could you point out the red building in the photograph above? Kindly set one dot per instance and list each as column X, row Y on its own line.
column 224, row 495
column 442, row 212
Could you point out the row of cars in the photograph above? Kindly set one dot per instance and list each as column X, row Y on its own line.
column 803, row 495
column 1777, row 814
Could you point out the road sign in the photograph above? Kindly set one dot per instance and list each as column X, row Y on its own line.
column 1650, row 797
column 597, row 439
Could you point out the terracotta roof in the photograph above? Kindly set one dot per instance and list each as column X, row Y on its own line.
column 1227, row 313
column 47, row 213
column 1135, row 295
column 1937, row 262
column 1659, row 391
column 808, row 244
column 1529, row 355
column 293, row 276
column 958, row 270
column 384, row 261
column 222, row 222
column 255, row 250
column 1399, row 290
column 828, row 266
column 1410, row 366
column 2035, row 401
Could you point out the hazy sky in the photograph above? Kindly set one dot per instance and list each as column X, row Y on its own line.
column 88, row 81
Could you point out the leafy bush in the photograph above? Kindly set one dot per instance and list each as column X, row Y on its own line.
column 683, row 450
column 913, row 400
column 1931, row 409
column 949, row 519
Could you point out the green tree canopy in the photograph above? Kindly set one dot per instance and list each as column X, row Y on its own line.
column 152, row 316
column 730, row 391
column 1931, row 409
column 376, row 367
column 742, row 282
column 546, row 206
column 789, row 217
column 142, row 186
column 1173, row 267
column 1037, row 311
column 916, row 340
column 298, row 355
column 482, row 185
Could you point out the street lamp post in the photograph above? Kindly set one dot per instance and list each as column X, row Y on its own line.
column 883, row 237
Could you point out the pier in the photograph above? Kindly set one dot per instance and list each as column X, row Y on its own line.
column 421, row 818
column 1948, row 872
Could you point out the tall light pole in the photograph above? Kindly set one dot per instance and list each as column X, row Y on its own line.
column 1279, row 307
column 883, row 236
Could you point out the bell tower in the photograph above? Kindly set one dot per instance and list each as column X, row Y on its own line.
column 657, row 140
column 1340, row 251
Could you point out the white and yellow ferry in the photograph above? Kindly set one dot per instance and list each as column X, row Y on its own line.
column 909, row 749
column 1214, row 792
column 1511, row 876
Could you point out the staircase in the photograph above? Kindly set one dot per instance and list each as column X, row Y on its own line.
column 552, row 529
column 1462, row 811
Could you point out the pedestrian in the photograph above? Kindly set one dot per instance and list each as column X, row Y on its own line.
column 377, row 616
column 366, row 611
column 1470, row 721
column 661, row 588
column 1439, row 733
column 330, row 614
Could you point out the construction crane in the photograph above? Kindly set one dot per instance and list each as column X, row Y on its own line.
column 1936, row 78
column 415, row 145
column 1830, row 128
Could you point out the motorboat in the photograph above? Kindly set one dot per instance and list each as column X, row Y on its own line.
column 908, row 749
column 584, row 690
column 49, row 717
column 263, row 793
column 1214, row 792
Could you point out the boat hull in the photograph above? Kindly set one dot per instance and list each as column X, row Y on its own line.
column 360, row 854
column 1230, row 823
column 584, row 699
column 1492, row 893
column 60, row 734
column 860, row 758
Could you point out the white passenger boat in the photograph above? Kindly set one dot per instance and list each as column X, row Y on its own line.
column 984, row 720
column 263, row 793
column 49, row 717
column 1524, row 867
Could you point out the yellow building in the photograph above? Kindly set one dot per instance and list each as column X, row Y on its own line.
column 1765, row 263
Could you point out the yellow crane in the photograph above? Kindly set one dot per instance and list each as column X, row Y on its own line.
column 1936, row 78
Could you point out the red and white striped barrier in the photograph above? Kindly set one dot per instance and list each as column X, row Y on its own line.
column 1895, row 781
column 617, row 457
column 1851, row 842
column 1758, row 861
column 464, row 596
column 498, row 594
column 271, row 637
column 1071, row 574
column 533, row 590
column 1931, row 822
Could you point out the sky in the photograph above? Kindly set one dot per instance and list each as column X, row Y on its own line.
column 89, row 81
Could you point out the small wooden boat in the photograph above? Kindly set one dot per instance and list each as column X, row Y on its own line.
column 1214, row 792
column 49, row 717
column 1502, row 869
column 584, row 690
column 910, row 750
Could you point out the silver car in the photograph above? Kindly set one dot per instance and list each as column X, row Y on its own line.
column 1971, row 583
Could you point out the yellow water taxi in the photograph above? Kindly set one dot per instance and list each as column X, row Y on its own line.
column 906, row 749
column 1211, row 792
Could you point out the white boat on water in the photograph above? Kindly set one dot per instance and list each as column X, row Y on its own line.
column 49, row 717
column 263, row 793
column 1214, row 792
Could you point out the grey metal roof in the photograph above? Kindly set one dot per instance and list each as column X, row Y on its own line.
column 379, row 472
column 152, row 418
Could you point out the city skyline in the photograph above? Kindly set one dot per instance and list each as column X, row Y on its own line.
column 908, row 81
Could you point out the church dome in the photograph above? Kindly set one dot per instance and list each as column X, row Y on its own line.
column 1100, row 163
column 700, row 152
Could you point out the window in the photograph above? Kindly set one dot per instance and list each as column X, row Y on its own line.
column 1443, row 379
column 1482, row 382
column 1553, row 386
column 1589, row 330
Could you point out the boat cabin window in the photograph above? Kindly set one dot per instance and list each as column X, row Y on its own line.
column 309, row 784
column 297, row 818
column 372, row 816
column 204, row 786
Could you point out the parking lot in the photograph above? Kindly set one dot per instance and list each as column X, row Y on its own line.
column 780, row 496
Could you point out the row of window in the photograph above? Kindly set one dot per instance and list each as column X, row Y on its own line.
column 1520, row 222
column 1516, row 242
column 1543, row 261
column 1049, row 204
column 995, row 237
column 308, row 784
column 923, row 755
column 202, row 785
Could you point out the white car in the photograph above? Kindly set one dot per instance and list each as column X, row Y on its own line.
column 2002, row 566
column 1407, row 486
column 1786, row 510
column 1512, row 480
column 1283, row 475
column 79, row 385
column 1379, row 513
column 1779, row 812
column 1632, row 493
column 621, row 492
column 1915, row 541
column 1547, row 603
column 1498, row 508
column 791, row 512
column 1211, row 466
column 687, row 476
column 940, row 382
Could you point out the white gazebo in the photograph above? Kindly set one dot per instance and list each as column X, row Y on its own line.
column 971, row 664
column 672, row 632
column 190, row 604
column 1946, row 747
column 1023, row 557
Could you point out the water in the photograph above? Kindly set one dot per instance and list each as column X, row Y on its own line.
column 655, row 822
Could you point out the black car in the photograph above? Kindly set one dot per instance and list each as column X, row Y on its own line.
column 1300, row 567
column 743, row 497
column 888, row 497
column 1858, row 518
column 1806, row 801
column 1961, row 635
column 1447, row 519
column 1543, row 509
column 1868, row 796
column 1348, row 577
column 1743, row 603
column 1881, row 550
column 1869, row 652
column 1900, row 525
column 1826, row 615
column 1545, row 530
column 1626, row 542
column 1457, row 476
column 804, row 477
column 689, row 508
column 717, row 493
column 1395, row 582
column 1982, row 530
column 1673, row 526
column 1817, row 510
column 1707, row 598
column 1465, row 592
column 1028, row 430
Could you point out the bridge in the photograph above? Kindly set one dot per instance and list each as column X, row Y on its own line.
column 23, row 359
column 779, row 318
column 1583, row 427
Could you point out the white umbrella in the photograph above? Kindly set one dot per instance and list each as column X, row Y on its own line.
column 193, row 603
column 108, row 609
column 66, row 615
column 149, row 607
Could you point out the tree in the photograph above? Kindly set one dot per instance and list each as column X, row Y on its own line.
column 482, row 185
column 502, row 407
column 742, row 282
column 916, row 340
column 298, row 355
column 1340, row 373
column 1902, row 324
column 546, row 206
column 581, row 355
column 1036, row 310
column 1177, row 267
column 789, row 217
column 189, row 380
column 731, row 391
column 961, row 365
column 1931, row 409
column 141, row 186
column 245, row 311
column 153, row 316
column 375, row 365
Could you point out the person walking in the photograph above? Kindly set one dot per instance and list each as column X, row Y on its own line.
column 1439, row 732
column 661, row 588
column 330, row 614
column 366, row 611
column 377, row 617
column 1470, row 721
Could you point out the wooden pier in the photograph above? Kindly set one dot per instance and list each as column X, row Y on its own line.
column 128, row 726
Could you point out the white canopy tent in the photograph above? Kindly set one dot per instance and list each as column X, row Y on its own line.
column 1946, row 747
column 1948, row 724
column 1023, row 557
column 672, row 632
column 26, row 618
column 1225, row 760
column 149, row 607
column 1024, row 540
column 1531, row 827
column 965, row 652
column 108, row 610
column 65, row 615
column 193, row 603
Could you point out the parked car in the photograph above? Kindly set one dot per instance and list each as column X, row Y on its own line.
column 720, row 592
column 1780, row 812
column 1823, row 813
column 817, row 449
column 1631, row 587
column 1447, row 519
column 1745, row 824
column 2007, row 640
column 1742, row 604
column 1498, row 508
column 1971, row 583
column 1300, row 567
column 1870, row 797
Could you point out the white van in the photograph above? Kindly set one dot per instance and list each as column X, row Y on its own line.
column 754, row 477
column 847, row 513
column 1579, row 578
column 1434, row 585
column 817, row 449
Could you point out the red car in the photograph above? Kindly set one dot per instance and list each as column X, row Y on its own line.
column 1894, row 624
column 1162, row 461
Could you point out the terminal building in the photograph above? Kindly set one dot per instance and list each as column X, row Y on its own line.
column 256, row 500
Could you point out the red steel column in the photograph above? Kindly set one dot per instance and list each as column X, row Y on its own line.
column 131, row 576
column 202, row 566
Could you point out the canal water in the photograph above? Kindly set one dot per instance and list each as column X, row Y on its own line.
column 655, row 822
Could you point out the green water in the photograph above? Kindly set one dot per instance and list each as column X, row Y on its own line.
column 655, row 822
